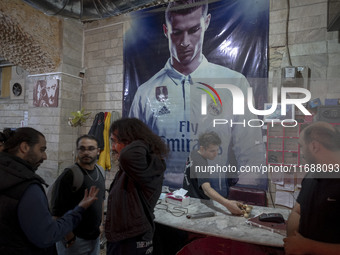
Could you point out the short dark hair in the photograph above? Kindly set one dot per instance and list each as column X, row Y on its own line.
column 185, row 7
column 128, row 130
column 25, row 134
column 5, row 134
column 209, row 138
column 323, row 133
column 2, row 138
column 91, row 137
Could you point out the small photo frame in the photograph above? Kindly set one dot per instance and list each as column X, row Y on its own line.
column 276, row 115
column 46, row 93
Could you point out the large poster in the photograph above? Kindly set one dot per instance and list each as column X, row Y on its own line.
column 177, row 63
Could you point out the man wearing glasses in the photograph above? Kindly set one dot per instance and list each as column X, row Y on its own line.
column 85, row 238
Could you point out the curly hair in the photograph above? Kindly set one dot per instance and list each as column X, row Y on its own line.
column 128, row 130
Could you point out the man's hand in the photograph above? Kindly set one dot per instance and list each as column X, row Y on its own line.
column 101, row 229
column 293, row 221
column 234, row 207
column 89, row 197
column 231, row 205
column 295, row 244
column 69, row 239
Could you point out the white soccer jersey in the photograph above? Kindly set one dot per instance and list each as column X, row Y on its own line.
column 170, row 104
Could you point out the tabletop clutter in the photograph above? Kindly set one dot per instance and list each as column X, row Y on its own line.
column 246, row 210
column 258, row 224
column 179, row 198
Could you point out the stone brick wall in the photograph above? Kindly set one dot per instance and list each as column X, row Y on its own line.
column 28, row 38
column 103, row 62
column 309, row 45
column 62, row 41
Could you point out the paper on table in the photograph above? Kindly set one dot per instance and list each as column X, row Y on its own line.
column 286, row 187
column 288, row 182
column 180, row 193
column 284, row 198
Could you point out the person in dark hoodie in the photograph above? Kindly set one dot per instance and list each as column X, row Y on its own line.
column 27, row 226
column 129, row 225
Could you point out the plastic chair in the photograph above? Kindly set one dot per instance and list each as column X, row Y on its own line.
column 248, row 195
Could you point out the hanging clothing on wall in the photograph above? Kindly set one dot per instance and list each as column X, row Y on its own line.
column 105, row 156
column 97, row 129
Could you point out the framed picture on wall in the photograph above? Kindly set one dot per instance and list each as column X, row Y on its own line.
column 276, row 115
column 46, row 93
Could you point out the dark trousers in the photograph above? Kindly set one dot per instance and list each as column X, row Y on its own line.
column 131, row 246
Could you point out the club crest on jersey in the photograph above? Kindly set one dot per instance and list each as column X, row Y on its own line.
column 161, row 93
column 214, row 109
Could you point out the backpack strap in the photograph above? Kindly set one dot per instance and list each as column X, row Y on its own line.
column 78, row 177
column 101, row 170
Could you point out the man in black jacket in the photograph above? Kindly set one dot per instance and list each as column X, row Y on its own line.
column 27, row 227
column 129, row 225
column 313, row 224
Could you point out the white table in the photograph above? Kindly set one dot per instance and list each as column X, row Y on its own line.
column 223, row 224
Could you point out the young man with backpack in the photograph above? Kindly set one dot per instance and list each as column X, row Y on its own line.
column 67, row 190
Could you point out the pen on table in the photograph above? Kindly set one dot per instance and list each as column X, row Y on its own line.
column 200, row 215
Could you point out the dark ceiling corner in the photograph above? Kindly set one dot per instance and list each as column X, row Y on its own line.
column 90, row 10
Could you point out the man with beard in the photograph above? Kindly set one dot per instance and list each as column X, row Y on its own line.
column 52, row 91
column 26, row 224
column 313, row 225
column 85, row 238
